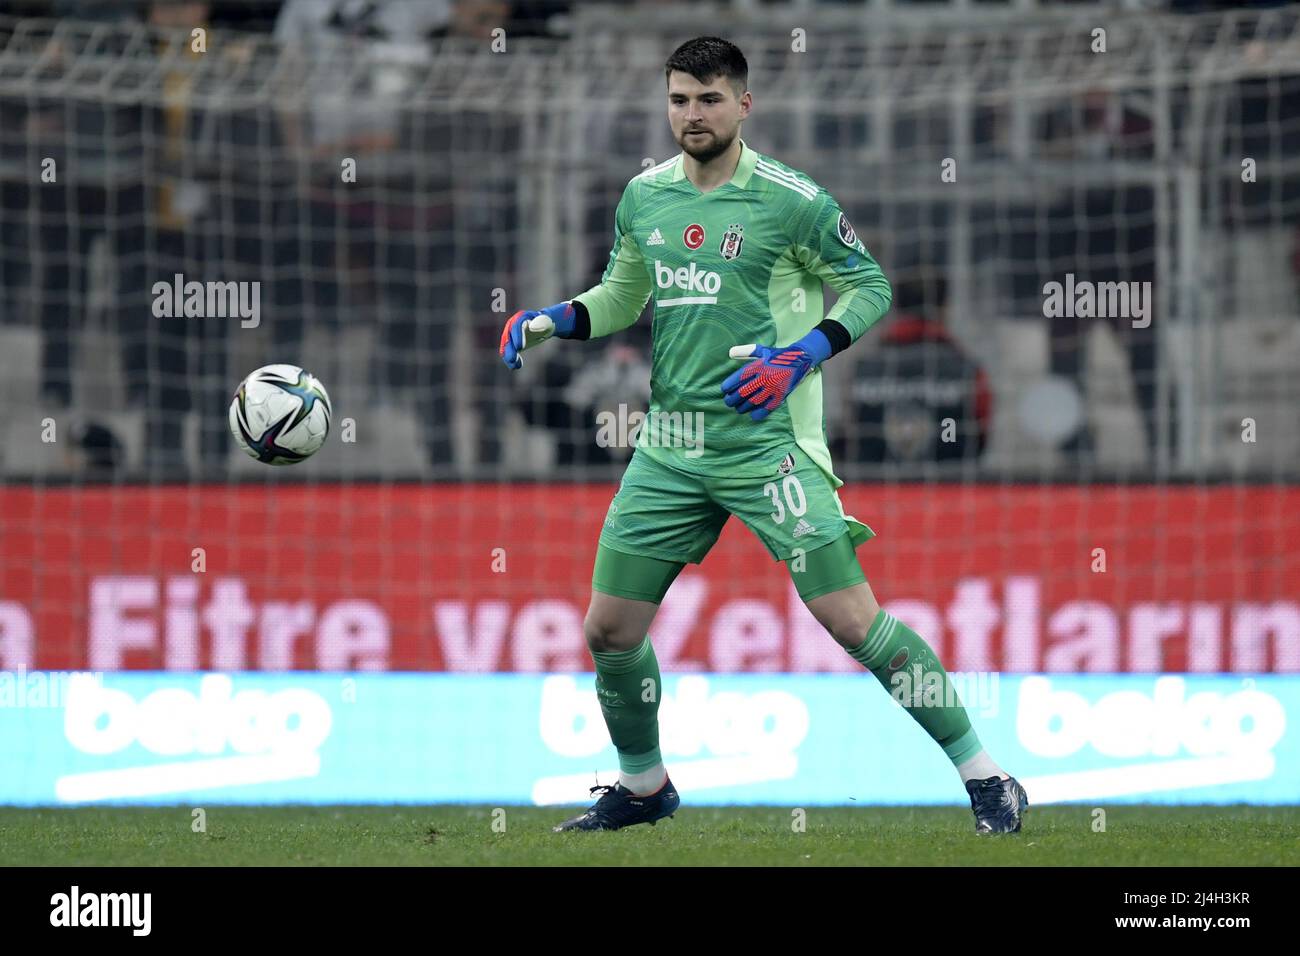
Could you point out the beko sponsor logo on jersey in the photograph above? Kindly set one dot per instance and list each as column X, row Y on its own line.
column 690, row 279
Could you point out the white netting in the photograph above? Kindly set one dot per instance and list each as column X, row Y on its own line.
column 485, row 181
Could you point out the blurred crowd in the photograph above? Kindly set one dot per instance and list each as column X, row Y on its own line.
column 177, row 186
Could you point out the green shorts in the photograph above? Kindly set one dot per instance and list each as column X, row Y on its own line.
column 674, row 518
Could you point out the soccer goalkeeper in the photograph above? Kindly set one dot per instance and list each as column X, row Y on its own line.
column 734, row 247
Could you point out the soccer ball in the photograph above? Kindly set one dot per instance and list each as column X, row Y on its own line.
column 280, row 414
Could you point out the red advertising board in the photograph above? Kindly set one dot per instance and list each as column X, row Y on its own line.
column 496, row 577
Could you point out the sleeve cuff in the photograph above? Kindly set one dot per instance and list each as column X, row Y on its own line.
column 581, row 322
column 836, row 334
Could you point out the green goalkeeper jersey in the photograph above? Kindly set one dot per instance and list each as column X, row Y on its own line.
column 743, row 263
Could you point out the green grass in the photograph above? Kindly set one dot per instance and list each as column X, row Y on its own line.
column 464, row 835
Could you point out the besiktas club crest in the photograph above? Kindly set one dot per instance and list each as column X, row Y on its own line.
column 732, row 240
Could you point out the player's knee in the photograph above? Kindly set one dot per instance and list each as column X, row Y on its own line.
column 850, row 632
column 604, row 633
column 848, row 622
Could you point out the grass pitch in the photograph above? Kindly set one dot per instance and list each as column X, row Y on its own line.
column 697, row 836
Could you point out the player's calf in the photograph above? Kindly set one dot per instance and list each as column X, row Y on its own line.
column 628, row 687
column 910, row 671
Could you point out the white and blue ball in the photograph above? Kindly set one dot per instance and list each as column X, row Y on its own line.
column 280, row 414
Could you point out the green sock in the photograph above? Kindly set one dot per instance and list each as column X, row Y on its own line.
column 628, row 686
column 910, row 672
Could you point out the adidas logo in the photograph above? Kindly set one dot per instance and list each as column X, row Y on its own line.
column 803, row 528
column 656, row 239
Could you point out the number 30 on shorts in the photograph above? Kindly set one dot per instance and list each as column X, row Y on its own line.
column 794, row 497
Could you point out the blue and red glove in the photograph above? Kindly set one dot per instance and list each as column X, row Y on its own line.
column 526, row 329
column 761, row 386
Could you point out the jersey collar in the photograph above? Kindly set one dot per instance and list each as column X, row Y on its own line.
column 744, row 168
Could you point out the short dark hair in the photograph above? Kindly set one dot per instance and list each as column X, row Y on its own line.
column 707, row 57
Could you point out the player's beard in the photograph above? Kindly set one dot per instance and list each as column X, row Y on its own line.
column 712, row 147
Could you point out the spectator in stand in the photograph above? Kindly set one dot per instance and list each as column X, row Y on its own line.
column 479, row 146
column 363, row 246
column 95, row 452
column 476, row 19
column 583, row 402
column 917, row 397
column 1103, row 233
column 94, row 198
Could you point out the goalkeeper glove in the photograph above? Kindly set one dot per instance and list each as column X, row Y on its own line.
column 525, row 329
column 761, row 386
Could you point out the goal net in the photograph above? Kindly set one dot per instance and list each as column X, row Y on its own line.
column 1075, row 434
